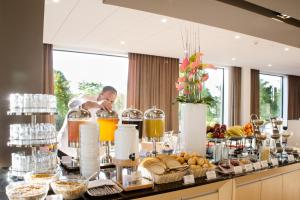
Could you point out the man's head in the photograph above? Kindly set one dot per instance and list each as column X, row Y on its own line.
column 108, row 93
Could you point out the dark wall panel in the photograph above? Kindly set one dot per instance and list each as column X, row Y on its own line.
column 21, row 58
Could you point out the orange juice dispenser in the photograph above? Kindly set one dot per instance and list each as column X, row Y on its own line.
column 154, row 123
column 107, row 122
column 75, row 118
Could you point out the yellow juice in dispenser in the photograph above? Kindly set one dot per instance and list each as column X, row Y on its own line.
column 107, row 129
column 154, row 128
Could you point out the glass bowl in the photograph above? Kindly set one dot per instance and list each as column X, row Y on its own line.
column 42, row 178
column 70, row 188
column 26, row 191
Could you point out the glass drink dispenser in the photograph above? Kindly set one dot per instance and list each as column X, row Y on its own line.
column 154, row 122
column 134, row 116
column 107, row 122
column 75, row 118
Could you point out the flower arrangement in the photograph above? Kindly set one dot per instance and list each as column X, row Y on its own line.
column 191, row 81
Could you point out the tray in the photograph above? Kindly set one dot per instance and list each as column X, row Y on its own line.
column 103, row 188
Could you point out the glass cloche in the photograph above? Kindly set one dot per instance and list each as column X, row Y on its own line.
column 134, row 116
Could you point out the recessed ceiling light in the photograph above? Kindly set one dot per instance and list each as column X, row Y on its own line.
column 269, row 65
column 286, row 49
column 56, row 1
column 122, row 42
column 237, row 37
column 233, row 59
column 164, row 20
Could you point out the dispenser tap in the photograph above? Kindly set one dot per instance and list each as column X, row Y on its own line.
column 132, row 156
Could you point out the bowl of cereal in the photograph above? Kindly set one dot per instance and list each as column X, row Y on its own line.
column 26, row 191
column 70, row 188
column 46, row 177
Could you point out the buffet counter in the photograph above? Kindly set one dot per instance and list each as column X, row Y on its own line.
column 278, row 183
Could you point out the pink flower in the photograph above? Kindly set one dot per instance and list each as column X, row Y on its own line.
column 186, row 92
column 179, row 87
column 205, row 77
column 200, row 87
column 184, row 64
column 197, row 62
column 181, row 79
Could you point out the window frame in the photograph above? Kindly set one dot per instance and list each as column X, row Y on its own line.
column 91, row 53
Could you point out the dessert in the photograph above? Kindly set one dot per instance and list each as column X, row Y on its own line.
column 234, row 162
column 275, row 136
column 245, row 161
column 289, row 150
column 261, row 137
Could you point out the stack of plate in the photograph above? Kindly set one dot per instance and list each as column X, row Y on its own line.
column 89, row 149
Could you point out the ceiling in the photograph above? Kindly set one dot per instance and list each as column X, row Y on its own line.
column 90, row 25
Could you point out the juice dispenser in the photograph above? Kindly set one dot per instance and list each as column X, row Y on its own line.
column 134, row 116
column 154, row 122
column 107, row 122
column 75, row 118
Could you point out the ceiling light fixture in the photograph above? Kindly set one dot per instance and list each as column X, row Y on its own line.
column 269, row 65
column 164, row 20
column 237, row 37
column 283, row 16
column 233, row 59
column 122, row 42
column 286, row 49
column 56, row 1
column 275, row 19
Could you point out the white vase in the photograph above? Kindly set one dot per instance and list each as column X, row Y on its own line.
column 193, row 127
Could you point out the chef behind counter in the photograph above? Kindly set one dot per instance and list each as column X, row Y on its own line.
column 104, row 101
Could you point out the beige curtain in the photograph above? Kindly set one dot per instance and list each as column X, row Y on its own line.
column 235, row 96
column 151, row 81
column 254, row 92
column 48, row 76
column 293, row 97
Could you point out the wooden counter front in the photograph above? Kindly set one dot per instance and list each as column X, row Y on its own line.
column 282, row 183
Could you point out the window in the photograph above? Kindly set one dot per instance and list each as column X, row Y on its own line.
column 79, row 73
column 270, row 96
column 215, row 86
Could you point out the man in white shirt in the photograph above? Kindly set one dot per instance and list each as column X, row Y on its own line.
column 104, row 101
